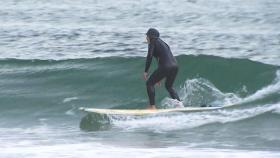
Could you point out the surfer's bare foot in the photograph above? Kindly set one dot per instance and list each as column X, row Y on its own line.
column 152, row 107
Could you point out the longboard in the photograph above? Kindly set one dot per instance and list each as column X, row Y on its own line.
column 147, row 111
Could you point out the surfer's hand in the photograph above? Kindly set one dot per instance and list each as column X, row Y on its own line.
column 145, row 75
column 158, row 83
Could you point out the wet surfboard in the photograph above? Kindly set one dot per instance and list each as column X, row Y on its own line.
column 146, row 111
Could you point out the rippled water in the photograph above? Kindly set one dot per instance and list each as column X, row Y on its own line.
column 32, row 29
column 57, row 56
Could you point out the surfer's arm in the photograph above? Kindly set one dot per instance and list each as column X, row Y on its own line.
column 149, row 57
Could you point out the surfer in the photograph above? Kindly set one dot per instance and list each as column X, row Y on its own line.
column 167, row 67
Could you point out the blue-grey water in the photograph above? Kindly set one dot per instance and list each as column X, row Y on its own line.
column 57, row 56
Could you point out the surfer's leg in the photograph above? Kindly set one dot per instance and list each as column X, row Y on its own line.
column 170, row 78
column 153, row 79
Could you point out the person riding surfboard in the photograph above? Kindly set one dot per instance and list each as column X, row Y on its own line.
column 167, row 67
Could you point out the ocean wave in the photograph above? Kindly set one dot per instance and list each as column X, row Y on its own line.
column 106, row 82
column 197, row 92
column 178, row 121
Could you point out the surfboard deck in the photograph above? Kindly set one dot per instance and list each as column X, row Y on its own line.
column 146, row 111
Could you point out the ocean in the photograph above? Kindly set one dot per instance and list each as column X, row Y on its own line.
column 58, row 56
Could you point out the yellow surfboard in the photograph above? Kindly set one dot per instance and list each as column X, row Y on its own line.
column 146, row 111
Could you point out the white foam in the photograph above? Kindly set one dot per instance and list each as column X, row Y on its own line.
column 89, row 150
column 65, row 100
column 199, row 91
column 178, row 121
column 167, row 103
column 277, row 109
column 266, row 91
column 71, row 111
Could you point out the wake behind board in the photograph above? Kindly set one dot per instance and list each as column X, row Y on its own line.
column 146, row 111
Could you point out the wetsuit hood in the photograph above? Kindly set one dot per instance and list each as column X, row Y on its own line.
column 152, row 33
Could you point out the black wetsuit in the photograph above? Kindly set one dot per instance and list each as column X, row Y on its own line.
column 167, row 68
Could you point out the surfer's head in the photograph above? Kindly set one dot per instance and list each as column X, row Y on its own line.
column 152, row 33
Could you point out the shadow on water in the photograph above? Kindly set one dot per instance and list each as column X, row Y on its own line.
column 95, row 122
